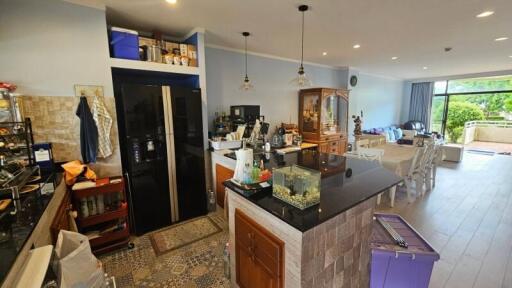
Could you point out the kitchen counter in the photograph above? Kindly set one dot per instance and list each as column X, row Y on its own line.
column 21, row 225
column 338, row 192
column 324, row 245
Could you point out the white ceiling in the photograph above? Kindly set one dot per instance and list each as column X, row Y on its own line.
column 414, row 30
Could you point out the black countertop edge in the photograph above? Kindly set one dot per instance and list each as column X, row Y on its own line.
column 345, row 183
column 252, row 195
column 21, row 225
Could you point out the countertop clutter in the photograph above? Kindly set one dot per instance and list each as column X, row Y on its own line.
column 345, row 183
column 128, row 44
column 16, row 229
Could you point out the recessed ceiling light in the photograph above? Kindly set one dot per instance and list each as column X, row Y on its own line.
column 356, row 46
column 485, row 14
column 501, row 39
column 324, row 53
column 394, row 58
column 510, row 56
column 171, row 1
column 425, row 67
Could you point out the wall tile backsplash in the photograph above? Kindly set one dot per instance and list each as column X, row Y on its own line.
column 54, row 120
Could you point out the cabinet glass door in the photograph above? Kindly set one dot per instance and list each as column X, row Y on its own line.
column 334, row 115
column 310, row 113
column 342, row 114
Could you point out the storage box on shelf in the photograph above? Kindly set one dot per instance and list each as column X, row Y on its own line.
column 127, row 44
column 103, row 214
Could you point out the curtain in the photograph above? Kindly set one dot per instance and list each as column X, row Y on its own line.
column 421, row 102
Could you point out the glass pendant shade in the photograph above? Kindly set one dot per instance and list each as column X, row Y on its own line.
column 301, row 80
column 246, row 85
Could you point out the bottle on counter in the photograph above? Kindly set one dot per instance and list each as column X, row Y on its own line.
column 107, row 201
column 247, row 174
column 255, row 174
column 100, row 204
column 91, row 203
column 84, row 209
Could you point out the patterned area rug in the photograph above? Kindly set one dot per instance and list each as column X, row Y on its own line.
column 197, row 265
column 183, row 234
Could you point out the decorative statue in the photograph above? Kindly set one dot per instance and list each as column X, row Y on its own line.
column 357, row 126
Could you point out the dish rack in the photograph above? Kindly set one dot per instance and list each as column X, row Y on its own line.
column 14, row 185
column 16, row 140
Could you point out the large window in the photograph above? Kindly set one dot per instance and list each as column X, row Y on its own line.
column 458, row 101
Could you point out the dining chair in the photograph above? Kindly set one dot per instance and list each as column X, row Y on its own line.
column 415, row 175
column 431, row 169
column 364, row 143
column 372, row 154
column 425, row 164
column 374, row 142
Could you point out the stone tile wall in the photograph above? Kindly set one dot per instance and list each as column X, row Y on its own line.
column 337, row 253
column 54, row 120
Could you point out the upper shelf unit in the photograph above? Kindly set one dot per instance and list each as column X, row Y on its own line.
column 130, row 49
column 153, row 66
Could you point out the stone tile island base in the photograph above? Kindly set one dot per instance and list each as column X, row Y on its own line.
column 335, row 253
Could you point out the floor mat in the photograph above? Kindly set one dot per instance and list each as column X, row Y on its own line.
column 183, row 234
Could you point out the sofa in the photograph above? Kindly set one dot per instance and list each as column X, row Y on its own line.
column 392, row 133
column 415, row 125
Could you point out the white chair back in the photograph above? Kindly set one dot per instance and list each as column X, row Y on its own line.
column 416, row 160
column 371, row 154
column 365, row 143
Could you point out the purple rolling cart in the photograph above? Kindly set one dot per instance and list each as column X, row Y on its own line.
column 393, row 266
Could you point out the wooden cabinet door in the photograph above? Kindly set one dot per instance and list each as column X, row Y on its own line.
column 221, row 174
column 259, row 255
column 342, row 146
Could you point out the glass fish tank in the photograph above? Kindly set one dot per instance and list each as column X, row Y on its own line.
column 296, row 185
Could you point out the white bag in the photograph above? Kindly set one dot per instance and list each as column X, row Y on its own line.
column 76, row 266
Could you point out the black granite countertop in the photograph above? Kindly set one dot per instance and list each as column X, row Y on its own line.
column 16, row 229
column 339, row 192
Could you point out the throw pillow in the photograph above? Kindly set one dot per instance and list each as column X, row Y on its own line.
column 398, row 133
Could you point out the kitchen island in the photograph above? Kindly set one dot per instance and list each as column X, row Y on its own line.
column 274, row 244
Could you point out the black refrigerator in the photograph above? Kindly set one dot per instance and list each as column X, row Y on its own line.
column 162, row 150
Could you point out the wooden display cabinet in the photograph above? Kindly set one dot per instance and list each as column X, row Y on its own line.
column 323, row 118
column 110, row 240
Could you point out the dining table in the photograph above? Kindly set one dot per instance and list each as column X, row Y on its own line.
column 397, row 158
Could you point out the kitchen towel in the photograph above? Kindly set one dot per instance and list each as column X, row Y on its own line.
column 88, row 132
column 103, row 122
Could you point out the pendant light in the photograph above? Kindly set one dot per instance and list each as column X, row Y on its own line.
column 301, row 80
column 246, row 83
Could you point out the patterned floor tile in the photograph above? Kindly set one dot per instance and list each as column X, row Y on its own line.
column 197, row 265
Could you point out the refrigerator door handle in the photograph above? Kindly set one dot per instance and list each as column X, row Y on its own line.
column 171, row 159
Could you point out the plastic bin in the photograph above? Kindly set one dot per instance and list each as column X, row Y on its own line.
column 125, row 43
column 393, row 266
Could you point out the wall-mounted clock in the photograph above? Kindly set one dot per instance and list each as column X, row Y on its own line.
column 353, row 80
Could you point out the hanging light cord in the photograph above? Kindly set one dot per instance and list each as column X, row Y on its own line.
column 302, row 43
column 245, row 56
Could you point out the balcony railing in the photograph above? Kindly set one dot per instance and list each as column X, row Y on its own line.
column 488, row 131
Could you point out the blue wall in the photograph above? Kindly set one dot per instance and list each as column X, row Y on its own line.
column 380, row 98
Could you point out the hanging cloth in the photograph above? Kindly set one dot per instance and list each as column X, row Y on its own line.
column 103, row 121
column 88, row 132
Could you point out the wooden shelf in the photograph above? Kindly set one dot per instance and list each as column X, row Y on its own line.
column 152, row 66
column 93, row 191
column 110, row 238
column 104, row 217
